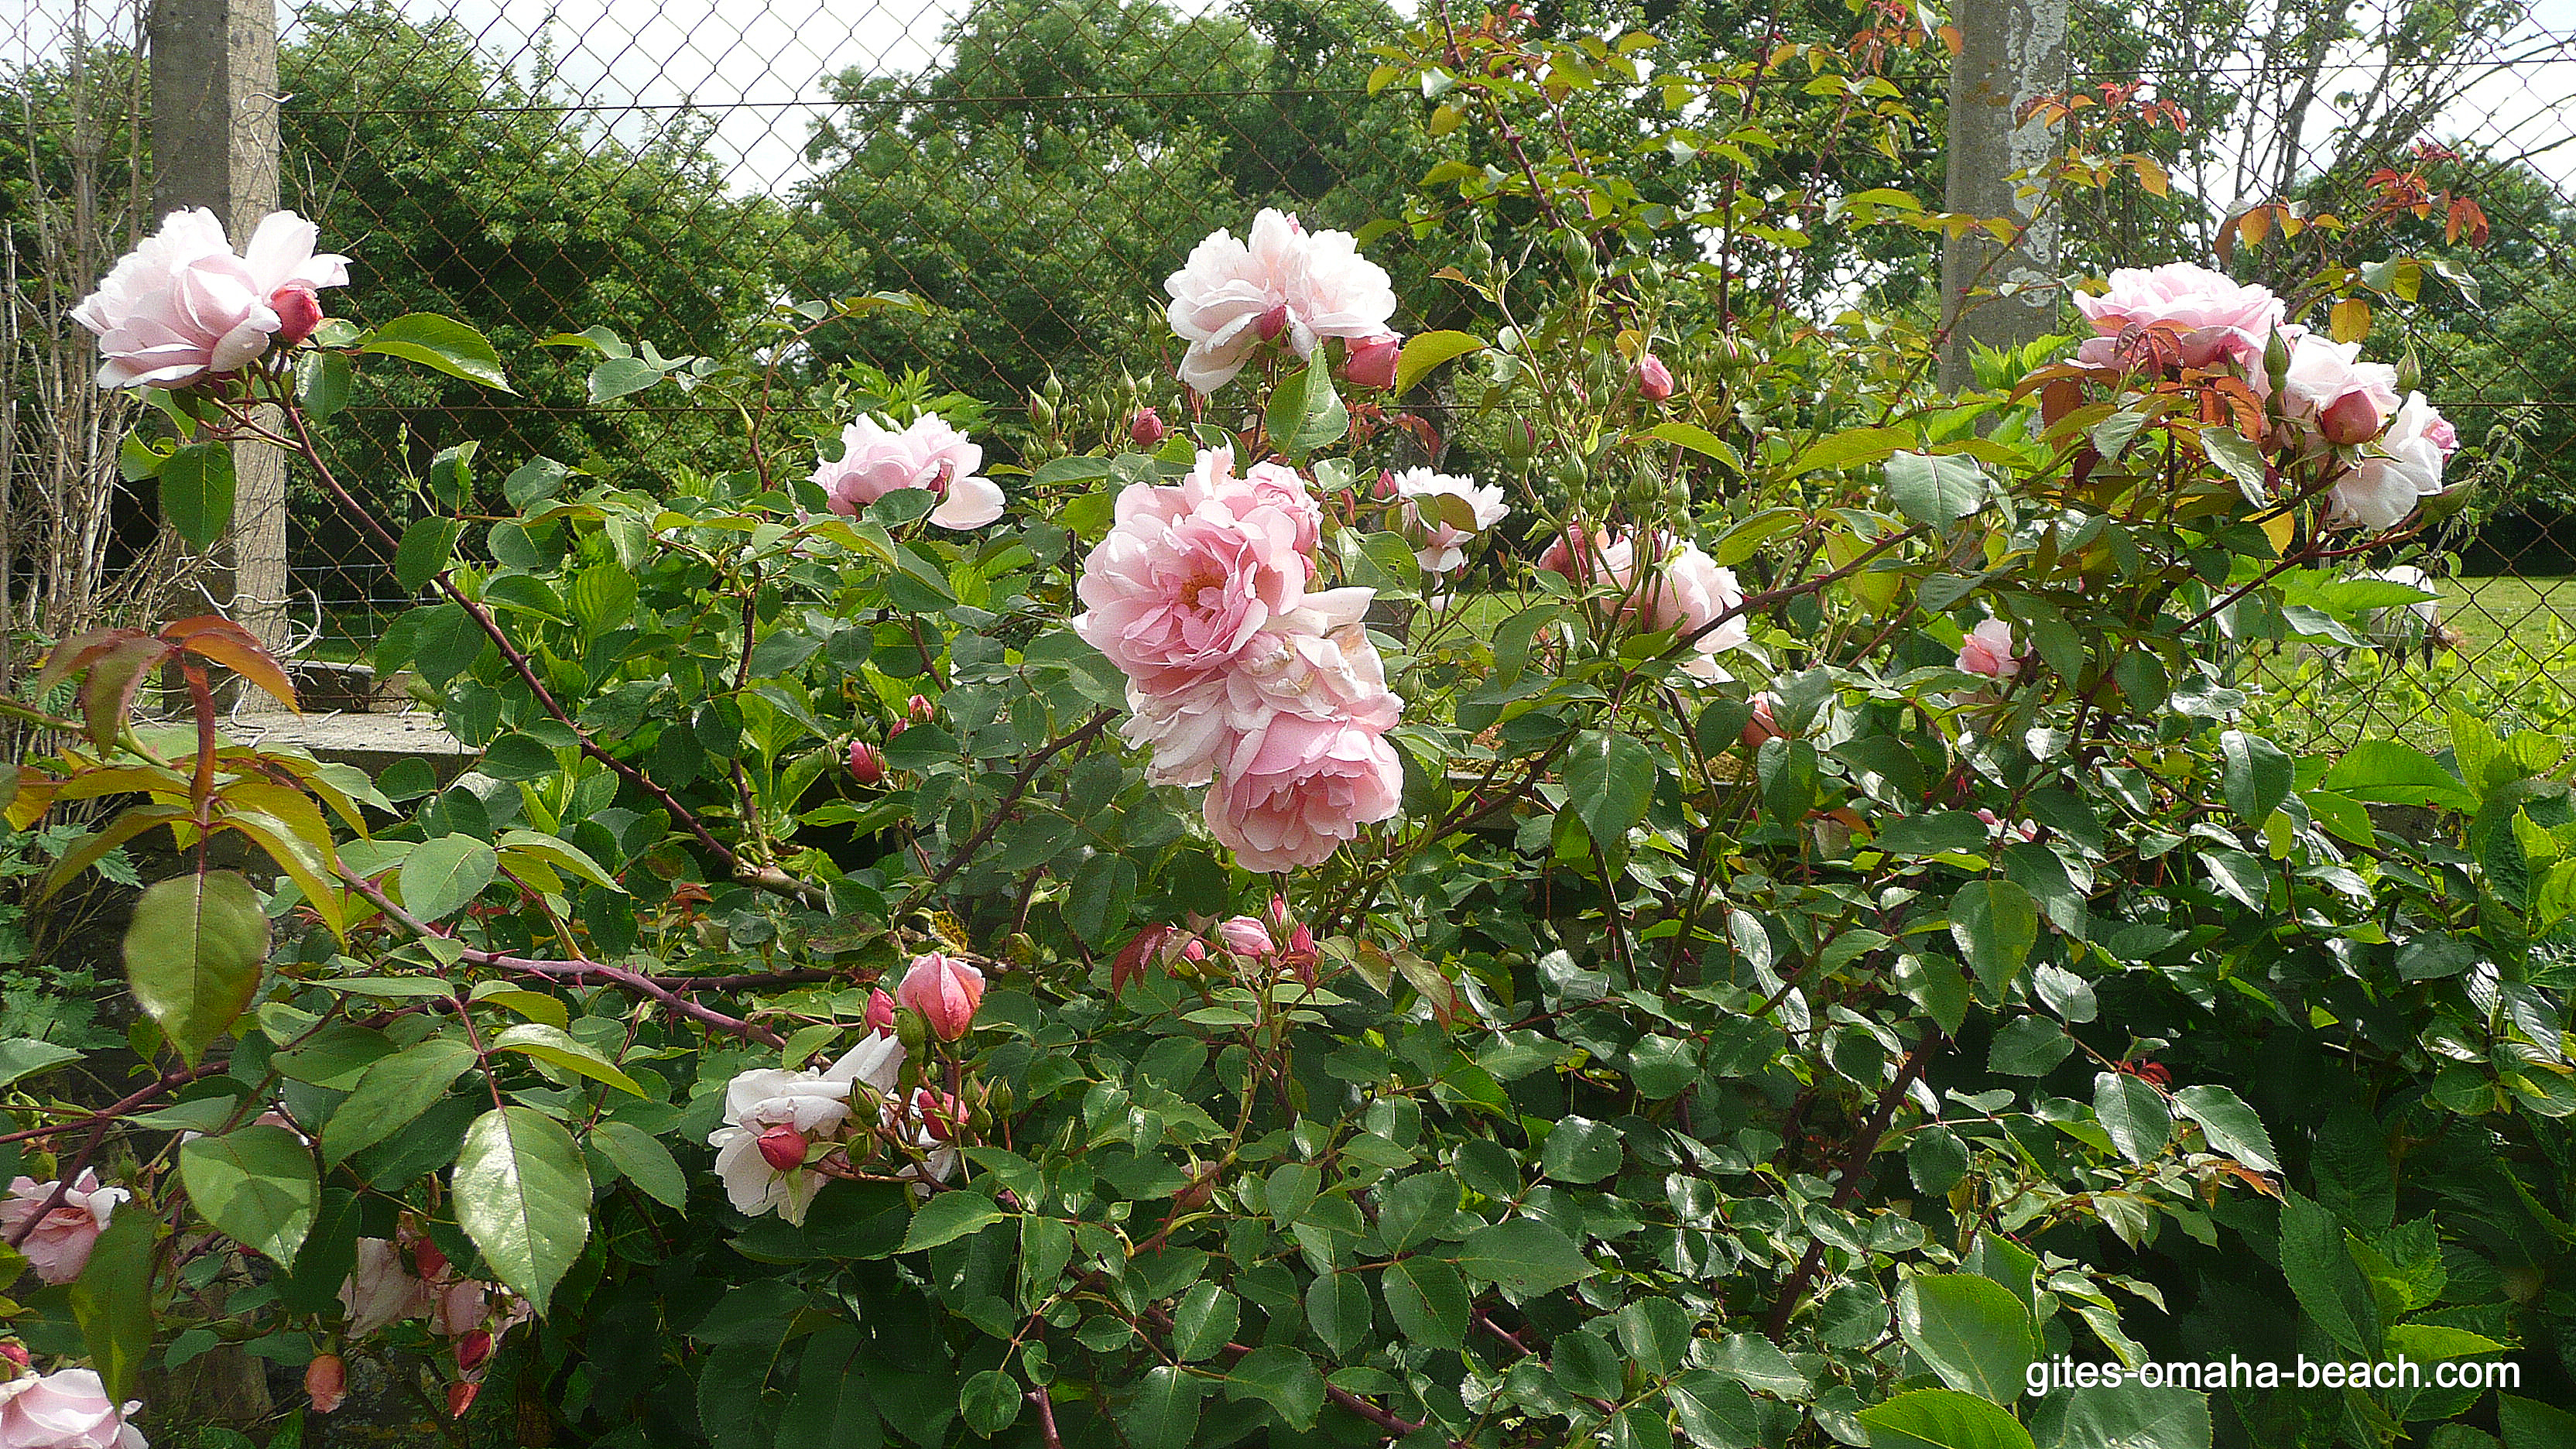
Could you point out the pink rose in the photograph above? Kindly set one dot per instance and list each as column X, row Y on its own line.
column 1688, row 594
column 1372, row 361
column 1764, row 725
column 2214, row 316
column 380, row 1292
column 1179, row 588
column 182, row 306
column 880, row 1017
column 1316, row 661
column 2403, row 467
column 1246, row 936
column 1591, row 557
column 1296, row 789
column 1989, row 650
column 867, row 763
column 1279, row 284
column 326, row 1382
column 945, row 991
column 66, row 1409
column 1654, row 380
column 59, row 1246
column 928, row 454
column 1442, row 511
column 2331, row 391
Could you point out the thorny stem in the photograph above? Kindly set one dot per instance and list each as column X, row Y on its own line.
column 1849, row 1178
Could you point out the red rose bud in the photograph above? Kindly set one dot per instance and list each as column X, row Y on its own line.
column 299, row 311
column 2351, row 420
column 1654, row 380
column 921, row 709
column 1383, row 490
column 460, row 1397
column 942, row 1116
column 867, row 763
column 426, row 1257
column 1762, row 726
column 1273, row 322
column 1277, row 917
column 898, row 727
column 16, row 1353
column 880, row 1012
column 1146, row 429
column 783, row 1148
column 473, row 1349
column 1372, row 361
column 326, row 1382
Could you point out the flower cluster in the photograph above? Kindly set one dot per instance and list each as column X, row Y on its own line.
column 406, row 1277
column 184, row 306
column 1682, row 588
column 1273, row 941
column 65, row 1409
column 2383, row 450
column 58, row 1246
column 1281, row 284
column 929, row 454
column 1237, row 674
column 776, row 1120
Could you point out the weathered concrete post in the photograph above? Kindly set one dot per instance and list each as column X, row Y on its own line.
column 214, row 144
column 2010, row 52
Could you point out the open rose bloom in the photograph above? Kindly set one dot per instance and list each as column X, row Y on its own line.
column 1442, row 511
column 66, row 1409
column 184, row 306
column 59, row 1245
column 1280, row 284
column 928, row 454
column 2211, row 316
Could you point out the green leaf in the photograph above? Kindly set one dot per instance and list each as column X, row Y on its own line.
column 451, row 475
column 644, row 1160
column 2385, row 772
column 2323, row 1277
column 1097, row 901
column 1935, row 491
column 523, row 1196
column 1942, row 1419
column 1858, row 445
column 2239, row 460
column 1995, row 923
column 832, row 1405
column 2530, row 1424
column 615, row 377
column 427, row 548
column 2133, row 1112
column 1609, row 782
column 1203, row 1322
column 1935, row 832
column 1580, row 1150
column 112, row 1301
column 948, row 1217
column 442, row 343
column 2256, row 774
column 2230, row 1125
column 1425, row 351
column 256, row 1184
column 1305, row 414
column 989, row 1402
column 2130, row 1416
column 1416, row 1208
column 197, row 492
column 193, row 953
column 392, row 1094
column 1281, row 1377
column 1164, row 1414
column 1715, row 1412
column 2028, row 1046
column 1972, row 1330
column 322, row 383
column 440, row 877
column 1703, row 442
column 23, row 1056
column 556, row 1047
column 1429, row 1301
column 1338, row 1309
column 1524, row 1257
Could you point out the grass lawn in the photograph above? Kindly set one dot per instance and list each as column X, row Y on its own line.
column 2498, row 611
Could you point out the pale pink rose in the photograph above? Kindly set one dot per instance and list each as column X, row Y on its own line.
column 1279, row 284
column 1373, row 360
column 1654, row 380
column 1688, row 593
column 2331, row 391
column 1434, row 526
column 1764, row 725
column 876, row 459
column 945, row 991
column 380, row 1292
column 1246, row 936
column 183, row 306
column 752, row 1185
column 876, row 1063
column 1990, row 650
column 1996, row 829
column 458, row 1306
column 1296, row 789
column 1316, row 661
column 66, row 1409
column 1591, row 557
column 59, row 1246
column 2404, row 466
column 2215, row 316
column 1174, row 591
column 809, row 1103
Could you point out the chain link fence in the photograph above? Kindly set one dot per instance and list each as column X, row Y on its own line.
column 1032, row 169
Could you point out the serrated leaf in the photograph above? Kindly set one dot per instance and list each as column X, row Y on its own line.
column 442, row 343
column 1425, row 351
column 2133, row 1112
column 522, row 1193
column 256, row 1184
column 393, row 1093
column 2231, row 1126
column 1305, row 413
column 1936, row 491
column 557, row 1048
column 427, row 548
column 948, row 1217
column 193, row 953
column 1523, row 1257
column 440, row 877
column 1973, row 1332
column 197, row 487
column 1942, row 1419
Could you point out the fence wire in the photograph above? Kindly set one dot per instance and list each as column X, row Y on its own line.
column 1034, row 168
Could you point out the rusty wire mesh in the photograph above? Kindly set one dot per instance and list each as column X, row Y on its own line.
column 1039, row 167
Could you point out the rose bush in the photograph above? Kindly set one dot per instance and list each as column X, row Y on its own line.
column 1105, row 960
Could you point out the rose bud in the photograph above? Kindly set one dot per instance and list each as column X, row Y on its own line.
column 460, row 1397
column 1273, row 322
column 16, row 1353
column 945, row 991
column 2350, row 420
column 1300, row 956
column 783, row 1148
column 1277, row 917
column 1245, row 936
column 880, row 1011
column 1654, row 380
column 921, row 709
column 326, row 1382
column 896, row 728
column 867, row 763
column 1762, row 726
column 299, row 311
column 1372, row 361
column 942, row 1115
column 1146, row 429
column 473, row 1349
